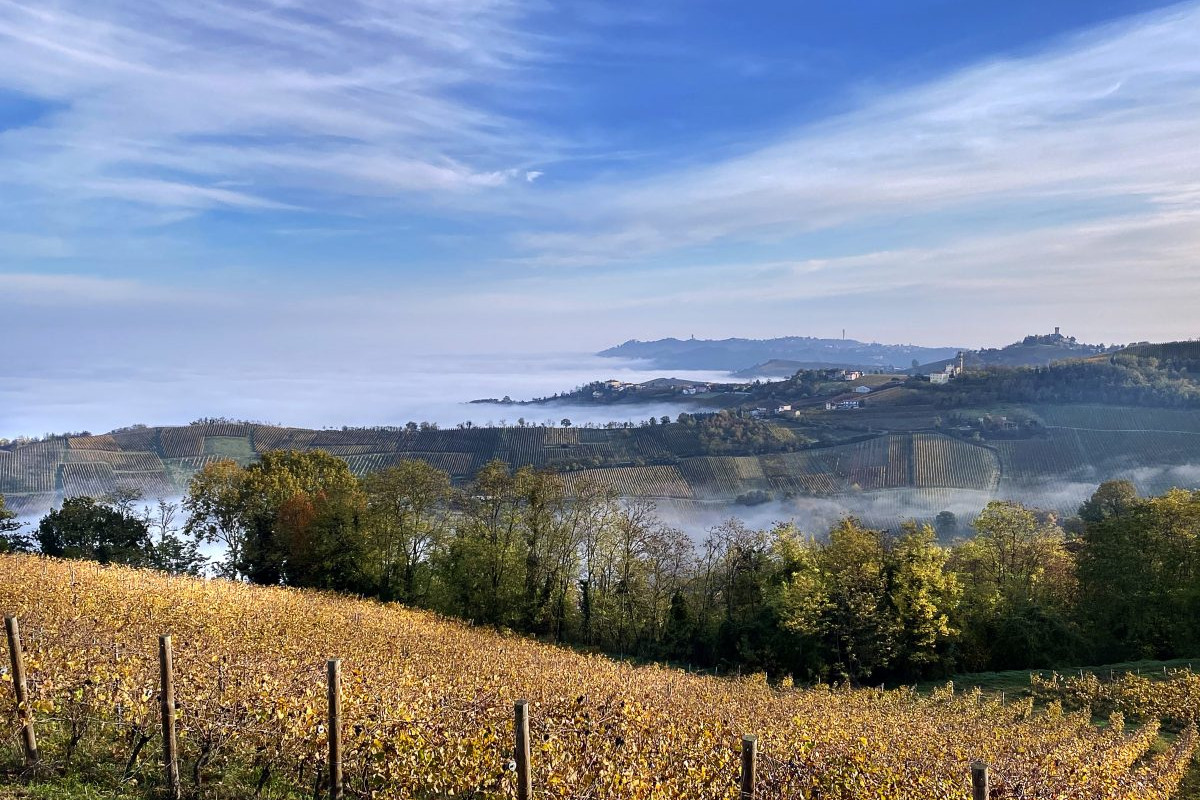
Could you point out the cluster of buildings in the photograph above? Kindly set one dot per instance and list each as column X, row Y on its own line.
column 953, row 369
column 658, row 385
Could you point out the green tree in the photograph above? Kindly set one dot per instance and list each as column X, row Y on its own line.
column 857, row 625
column 480, row 571
column 946, row 525
column 1138, row 572
column 1018, row 590
column 215, row 511
column 11, row 540
column 1112, row 499
column 86, row 528
column 291, row 517
column 407, row 508
column 925, row 598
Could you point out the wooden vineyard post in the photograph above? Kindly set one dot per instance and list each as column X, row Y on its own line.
column 167, row 705
column 521, row 750
column 979, row 781
column 17, row 658
column 335, row 729
column 749, row 766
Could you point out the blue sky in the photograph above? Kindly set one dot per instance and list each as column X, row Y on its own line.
column 287, row 180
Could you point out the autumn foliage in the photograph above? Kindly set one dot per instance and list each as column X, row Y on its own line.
column 428, row 706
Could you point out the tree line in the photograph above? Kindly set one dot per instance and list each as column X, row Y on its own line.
column 518, row 549
column 1121, row 379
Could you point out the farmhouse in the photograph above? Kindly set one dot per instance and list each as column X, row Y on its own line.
column 862, row 389
column 842, row 405
column 851, row 374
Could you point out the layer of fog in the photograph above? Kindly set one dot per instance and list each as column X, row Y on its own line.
column 323, row 393
column 887, row 508
column 890, row 508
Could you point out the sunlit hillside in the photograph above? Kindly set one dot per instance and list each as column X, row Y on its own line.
column 428, row 707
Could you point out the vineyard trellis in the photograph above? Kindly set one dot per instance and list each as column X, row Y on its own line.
column 428, row 704
column 168, row 703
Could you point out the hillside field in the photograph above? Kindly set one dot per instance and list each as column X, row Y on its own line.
column 427, row 708
column 906, row 452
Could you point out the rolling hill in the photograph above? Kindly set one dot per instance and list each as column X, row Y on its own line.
column 740, row 354
column 884, row 462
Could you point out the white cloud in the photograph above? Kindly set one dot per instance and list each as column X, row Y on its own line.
column 357, row 97
column 1103, row 117
column 28, row 289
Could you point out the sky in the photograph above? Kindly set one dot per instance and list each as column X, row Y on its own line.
column 231, row 185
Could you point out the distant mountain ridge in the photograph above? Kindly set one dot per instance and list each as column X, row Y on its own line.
column 742, row 354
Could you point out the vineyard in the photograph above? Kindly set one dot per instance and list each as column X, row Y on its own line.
column 1033, row 460
column 100, row 443
column 426, row 708
column 723, row 476
column 1116, row 418
column 940, row 461
column 458, row 465
column 1055, row 469
column 95, row 479
column 635, row 481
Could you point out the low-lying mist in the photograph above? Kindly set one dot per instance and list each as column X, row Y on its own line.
column 324, row 393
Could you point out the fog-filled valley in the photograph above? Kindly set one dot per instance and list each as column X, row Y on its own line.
column 350, row 390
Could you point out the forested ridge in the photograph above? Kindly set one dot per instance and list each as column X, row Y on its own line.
column 1130, row 378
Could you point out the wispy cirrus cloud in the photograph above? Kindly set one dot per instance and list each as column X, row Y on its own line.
column 1100, row 117
column 158, row 102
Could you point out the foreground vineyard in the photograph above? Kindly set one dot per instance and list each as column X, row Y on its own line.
column 428, row 703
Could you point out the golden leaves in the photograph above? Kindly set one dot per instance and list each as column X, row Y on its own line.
column 427, row 705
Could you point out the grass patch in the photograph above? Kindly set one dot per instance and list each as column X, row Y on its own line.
column 235, row 447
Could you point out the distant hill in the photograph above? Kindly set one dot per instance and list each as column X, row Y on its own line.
column 1188, row 351
column 784, row 368
column 1032, row 351
column 740, row 354
column 901, row 455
